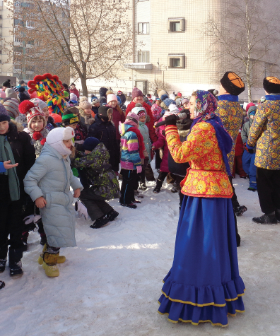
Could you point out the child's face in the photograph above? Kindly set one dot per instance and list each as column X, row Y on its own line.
column 37, row 124
column 252, row 116
column 113, row 103
column 46, row 112
column 4, row 126
column 186, row 105
column 87, row 111
column 68, row 143
column 158, row 102
column 142, row 119
column 74, row 126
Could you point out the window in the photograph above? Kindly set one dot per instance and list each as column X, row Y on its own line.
column 17, row 39
column 17, row 66
column 18, row 22
column 30, row 24
column 18, row 49
column 144, row 28
column 143, row 56
column 27, row 5
column 176, row 61
column 176, row 25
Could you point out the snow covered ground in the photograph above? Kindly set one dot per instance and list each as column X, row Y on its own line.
column 112, row 280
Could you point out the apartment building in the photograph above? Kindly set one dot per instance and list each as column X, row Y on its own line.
column 169, row 47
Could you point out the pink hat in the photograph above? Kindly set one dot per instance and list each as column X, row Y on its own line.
column 136, row 93
column 111, row 97
column 249, row 105
column 132, row 119
column 31, row 111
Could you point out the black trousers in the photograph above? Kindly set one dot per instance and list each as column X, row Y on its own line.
column 96, row 205
column 142, row 175
column 10, row 224
column 268, row 182
column 234, row 199
column 178, row 180
column 130, row 179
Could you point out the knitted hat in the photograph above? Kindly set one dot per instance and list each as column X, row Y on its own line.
column 85, row 105
column 119, row 93
column 136, row 93
column 7, row 83
column 103, row 111
column 111, row 97
column 132, row 119
column 140, row 111
column 31, row 111
column 271, row 85
column 163, row 97
column 69, row 118
column 39, row 102
column 90, row 143
column 169, row 101
column 185, row 101
column 94, row 101
column 162, row 92
column 57, row 135
column 23, row 95
column 11, row 106
column 73, row 96
column 10, row 93
column 4, row 116
column 252, row 110
column 179, row 94
column 232, row 83
column 249, row 105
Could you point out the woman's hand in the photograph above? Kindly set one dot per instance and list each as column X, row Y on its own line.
column 77, row 193
column 7, row 165
column 40, row 202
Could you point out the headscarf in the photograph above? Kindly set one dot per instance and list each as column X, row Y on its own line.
column 206, row 105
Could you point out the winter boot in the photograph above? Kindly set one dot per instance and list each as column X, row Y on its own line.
column 60, row 259
column 2, row 265
column 266, row 219
column 24, row 238
column 112, row 215
column 142, row 186
column 100, row 222
column 131, row 205
column 2, row 284
column 239, row 211
column 15, row 264
column 158, row 186
column 50, row 264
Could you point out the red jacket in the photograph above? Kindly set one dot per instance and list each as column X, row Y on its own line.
column 149, row 124
column 75, row 91
column 239, row 147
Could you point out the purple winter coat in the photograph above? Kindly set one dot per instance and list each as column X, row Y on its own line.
column 162, row 143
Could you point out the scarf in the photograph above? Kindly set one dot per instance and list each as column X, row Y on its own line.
column 140, row 141
column 6, row 154
column 206, row 106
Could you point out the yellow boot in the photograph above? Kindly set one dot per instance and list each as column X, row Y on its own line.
column 50, row 264
column 60, row 259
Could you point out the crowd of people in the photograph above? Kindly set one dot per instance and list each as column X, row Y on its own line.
column 61, row 152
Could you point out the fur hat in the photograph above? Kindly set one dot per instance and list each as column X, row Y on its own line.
column 90, row 143
column 85, row 105
column 4, row 116
column 132, row 119
column 136, row 93
column 39, row 102
column 10, row 93
column 111, row 97
column 271, row 85
column 232, row 83
column 11, row 106
column 31, row 111
column 7, row 83
column 57, row 135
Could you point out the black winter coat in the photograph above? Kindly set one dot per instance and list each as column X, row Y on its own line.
column 24, row 155
column 105, row 132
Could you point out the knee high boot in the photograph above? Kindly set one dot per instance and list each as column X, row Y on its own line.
column 50, row 264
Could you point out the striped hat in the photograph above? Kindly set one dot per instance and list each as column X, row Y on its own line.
column 11, row 106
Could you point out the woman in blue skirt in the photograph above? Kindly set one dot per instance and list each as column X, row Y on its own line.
column 203, row 284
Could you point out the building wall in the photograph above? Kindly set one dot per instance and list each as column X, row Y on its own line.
column 6, row 42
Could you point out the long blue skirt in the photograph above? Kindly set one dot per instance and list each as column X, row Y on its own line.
column 203, row 284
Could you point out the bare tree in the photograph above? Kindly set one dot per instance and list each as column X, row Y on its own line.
column 91, row 37
column 246, row 40
column 158, row 84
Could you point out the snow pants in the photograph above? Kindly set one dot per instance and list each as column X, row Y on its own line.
column 248, row 162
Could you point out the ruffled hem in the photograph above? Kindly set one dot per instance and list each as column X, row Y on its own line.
column 203, row 296
column 194, row 305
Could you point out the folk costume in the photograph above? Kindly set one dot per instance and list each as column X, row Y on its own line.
column 264, row 134
column 203, row 284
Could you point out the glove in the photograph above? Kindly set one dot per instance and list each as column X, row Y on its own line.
column 250, row 149
column 139, row 169
column 171, row 120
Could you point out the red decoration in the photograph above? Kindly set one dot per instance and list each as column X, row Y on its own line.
column 37, row 135
column 43, row 141
column 25, row 106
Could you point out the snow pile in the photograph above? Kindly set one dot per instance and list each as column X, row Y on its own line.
column 112, row 280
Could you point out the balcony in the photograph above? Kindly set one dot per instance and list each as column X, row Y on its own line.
column 139, row 66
